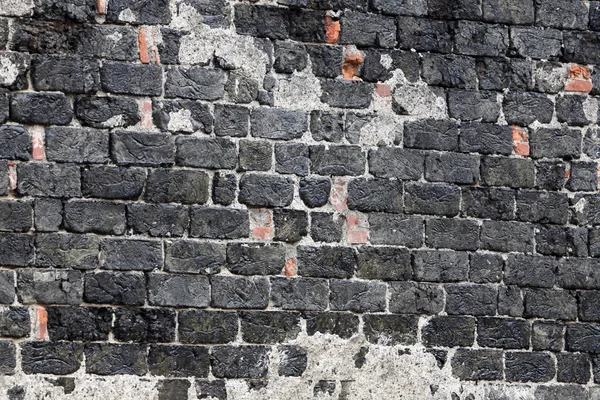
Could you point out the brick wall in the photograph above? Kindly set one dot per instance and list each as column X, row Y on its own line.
column 223, row 199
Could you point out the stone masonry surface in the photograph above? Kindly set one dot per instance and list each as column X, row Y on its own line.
column 299, row 199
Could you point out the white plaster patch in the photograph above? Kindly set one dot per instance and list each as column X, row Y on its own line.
column 16, row 8
column 590, row 109
column 382, row 129
column 9, row 71
column 181, row 121
column 386, row 61
column 127, row 15
column 419, row 99
column 302, row 90
column 114, row 121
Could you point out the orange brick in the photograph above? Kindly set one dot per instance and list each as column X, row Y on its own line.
column 352, row 61
column 262, row 233
column 38, row 151
column 261, row 223
column 291, row 267
column 576, row 85
column 12, row 175
column 101, row 6
column 332, row 30
column 146, row 113
column 520, row 141
column 579, row 72
column 383, row 90
column 358, row 236
column 339, row 197
column 41, row 325
column 143, row 40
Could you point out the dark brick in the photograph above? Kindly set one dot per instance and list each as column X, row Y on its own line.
column 15, row 322
column 239, row 361
column 215, row 13
column 315, row 191
column 290, row 225
column 17, row 250
column 293, row 360
column 470, row 106
column 562, row 14
column 48, row 180
column 337, row 160
column 306, row 294
column 41, row 108
column 346, row 94
column 424, row 34
column 65, row 74
column 219, row 223
column 273, row 123
column 194, row 257
column 509, row 11
column 561, row 241
column 254, row 155
column 264, row 327
column 587, row 305
column 510, row 301
column 416, row 298
column 542, row 207
column 124, row 288
column 289, row 57
column 206, row 153
column 8, row 358
column 173, row 389
column 431, row 135
column 141, row 148
column 150, row 12
column 46, row 286
column 536, row 42
column 144, row 325
column 550, row 175
column 292, row 158
column 504, row 333
column 115, row 359
column 326, row 262
column 573, row 368
column 357, row 296
column 550, row 143
column 547, row 336
column 489, row 203
column 502, row 73
column 158, row 219
column 452, row 167
column 364, row 29
column 180, row 186
column 17, row 216
column 583, row 176
column 262, row 21
column 355, row 122
column 242, row 88
column 223, row 188
column 375, row 195
column 239, row 292
column 326, row 60
column 207, row 389
column 583, row 337
column 394, row 162
column 255, row 259
column 453, row 234
column 79, row 323
column 15, row 143
column 449, row 331
column 434, row 199
column 168, row 50
column 18, row 63
column 440, row 266
column 67, row 251
column 529, row 367
column 478, row 39
column 471, row 299
column 107, row 112
column 476, row 365
column 325, row 227
column 178, row 361
column 344, row 325
column 579, row 273
column 327, row 126
column 454, row 9
column 112, row 182
column 476, row 137
column 530, row 271
column 59, row 358
column 523, row 108
column 390, row 329
column 182, row 116
column 196, row 83
column 128, row 254
column 76, row 145
column 511, row 172
column 384, row 263
column 178, row 290
column 207, row 327
column 450, row 71
column 566, row 392
column 266, row 190
column 507, row 236
column 550, row 304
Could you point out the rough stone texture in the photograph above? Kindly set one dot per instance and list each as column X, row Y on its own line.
column 299, row 199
